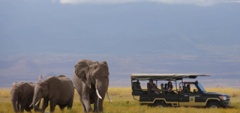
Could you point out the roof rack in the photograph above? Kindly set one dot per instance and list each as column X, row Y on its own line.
column 148, row 76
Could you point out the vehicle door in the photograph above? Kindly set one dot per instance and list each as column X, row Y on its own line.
column 190, row 96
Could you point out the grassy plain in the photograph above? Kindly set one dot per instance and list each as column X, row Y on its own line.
column 124, row 103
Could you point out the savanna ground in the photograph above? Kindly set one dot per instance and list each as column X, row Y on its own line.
column 124, row 103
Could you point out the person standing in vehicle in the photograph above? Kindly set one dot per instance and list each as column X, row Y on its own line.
column 152, row 88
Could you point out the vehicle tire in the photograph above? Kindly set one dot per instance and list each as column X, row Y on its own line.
column 213, row 104
column 160, row 104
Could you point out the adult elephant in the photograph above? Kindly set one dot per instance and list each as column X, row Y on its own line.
column 91, row 81
column 58, row 90
column 21, row 96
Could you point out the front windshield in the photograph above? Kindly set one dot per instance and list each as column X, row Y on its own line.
column 201, row 88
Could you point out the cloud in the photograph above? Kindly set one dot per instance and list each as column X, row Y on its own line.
column 192, row 2
column 197, row 2
column 220, row 49
column 97, row 1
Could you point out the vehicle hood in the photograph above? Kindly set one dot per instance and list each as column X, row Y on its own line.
column 217, row 94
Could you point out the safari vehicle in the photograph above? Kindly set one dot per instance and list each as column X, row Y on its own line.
column 184, row 93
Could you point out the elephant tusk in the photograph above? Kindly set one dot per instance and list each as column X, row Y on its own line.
column 20, row 106
column 109, row 97
column 31, row 105
column 37, row 103
column 98, row 94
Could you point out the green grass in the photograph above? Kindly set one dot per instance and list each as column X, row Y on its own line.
column 124, row 103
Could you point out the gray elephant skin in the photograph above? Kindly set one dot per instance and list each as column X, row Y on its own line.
column 21, row 96
column 91, row 81
column 58, row 90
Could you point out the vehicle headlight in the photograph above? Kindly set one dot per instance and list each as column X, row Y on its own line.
column 223, row 97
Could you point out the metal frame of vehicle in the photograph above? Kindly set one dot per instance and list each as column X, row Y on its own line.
column 181, row 95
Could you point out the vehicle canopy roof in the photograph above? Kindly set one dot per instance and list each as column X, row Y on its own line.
column 164, row 76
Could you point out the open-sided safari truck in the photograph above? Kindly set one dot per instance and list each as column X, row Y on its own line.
column 172, row 90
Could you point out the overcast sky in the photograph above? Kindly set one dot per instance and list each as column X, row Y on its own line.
column 49, row 37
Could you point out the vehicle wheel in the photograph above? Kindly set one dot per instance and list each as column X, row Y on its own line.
column 160, row 104
column 213, row 105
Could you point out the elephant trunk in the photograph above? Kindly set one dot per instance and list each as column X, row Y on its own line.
column 101, row 89
column 15, row 102
column 99, row 96
column 36, row 99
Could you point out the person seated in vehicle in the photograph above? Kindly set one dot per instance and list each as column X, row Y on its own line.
column 186, row 88
column 136, row 85
column 166, row 86
column 170, row 87
column 152, row 88
column 162, row 88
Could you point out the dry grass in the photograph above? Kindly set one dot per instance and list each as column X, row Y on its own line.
column 124, row 103
column 4, row 93
column 120, row 93
column 233, row 92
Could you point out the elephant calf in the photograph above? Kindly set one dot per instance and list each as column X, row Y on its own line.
column 21, row 96
column 58, row 90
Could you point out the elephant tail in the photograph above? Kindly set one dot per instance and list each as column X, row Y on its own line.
column 109, row 97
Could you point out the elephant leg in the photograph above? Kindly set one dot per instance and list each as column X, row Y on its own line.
column 45, row 104
column 62, row 107
column 52, row 106
column 21, row 111
column 98, row 105
column 84, row 108
column 25, row 104
column 18, row 107
column 28, row 109
column 70, row 103
column 86, row 104
column 21, row 107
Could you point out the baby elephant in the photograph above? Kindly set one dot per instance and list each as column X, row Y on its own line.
column 58, row 90
column 22, row 94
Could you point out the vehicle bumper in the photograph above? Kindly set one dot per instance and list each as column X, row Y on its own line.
column 225, row 103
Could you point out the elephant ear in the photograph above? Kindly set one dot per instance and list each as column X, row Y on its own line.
column 26, row 90
column 50, row 87
column 105, row 62
column 103, row 69
column 82, row 72
column 80, row 69
column 21, row 90
column 14, row 85
column 45, row 86
column 106, row 66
